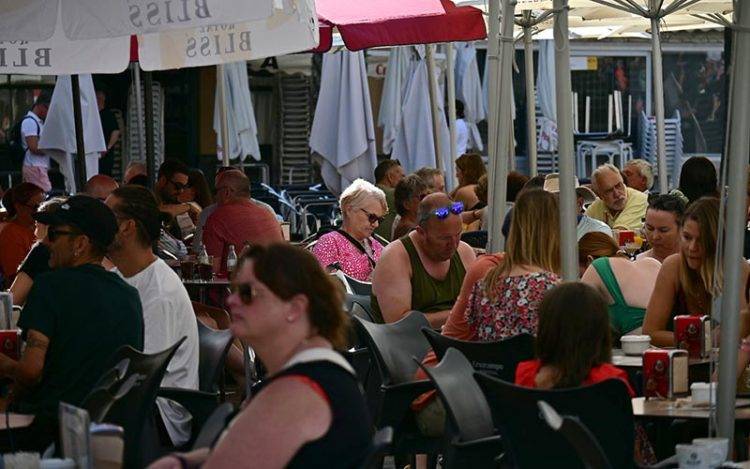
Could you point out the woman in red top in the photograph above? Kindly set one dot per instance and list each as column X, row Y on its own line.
column 573, row 345
column 17, row 234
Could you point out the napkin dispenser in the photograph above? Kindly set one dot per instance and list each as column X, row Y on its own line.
column 693, row 333
column 665, row 373
column 10, row 343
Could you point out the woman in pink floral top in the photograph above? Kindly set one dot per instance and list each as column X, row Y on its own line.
column 506, row 301
column 352, row 247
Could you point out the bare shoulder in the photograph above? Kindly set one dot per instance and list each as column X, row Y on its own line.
column 467, row 254
column 393, row 252
column 648, row 264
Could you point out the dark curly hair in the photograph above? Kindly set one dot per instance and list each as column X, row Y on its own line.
column 288, row 271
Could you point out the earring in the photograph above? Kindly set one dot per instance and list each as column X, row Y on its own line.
column 289, row 319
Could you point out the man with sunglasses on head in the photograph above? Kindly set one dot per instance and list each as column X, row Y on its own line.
column 75, row 318
column 167, row 312
column 424, row 269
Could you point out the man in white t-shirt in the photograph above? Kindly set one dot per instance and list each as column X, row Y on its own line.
column 462, row 131
column 167, row 312
column 35, row 161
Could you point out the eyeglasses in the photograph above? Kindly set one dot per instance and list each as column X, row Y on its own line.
column 53, row 234
column 372, row 218
column 178, row 186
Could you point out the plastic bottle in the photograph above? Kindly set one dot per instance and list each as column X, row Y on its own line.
column 203, row 256
column 231, row 259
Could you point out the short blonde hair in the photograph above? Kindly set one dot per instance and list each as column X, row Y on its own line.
column 359, row 191
column 644, row 167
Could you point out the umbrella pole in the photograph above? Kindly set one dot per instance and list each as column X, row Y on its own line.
column 503, row 122
column 80, row 159
column 148, row 96
column 139, row 109
column 528, row 48
column 738, row 143
column 452, row 104
column 658, row 79
column 568, row 242
column 433, row 88
column 220, row 73
column 493, row 46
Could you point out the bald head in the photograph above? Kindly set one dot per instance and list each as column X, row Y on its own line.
column 232, row 185
column 134, row 169
column 100, row 186
column 429, row 204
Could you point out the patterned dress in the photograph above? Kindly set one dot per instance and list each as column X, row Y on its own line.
column 334, row 247
column 512, row 310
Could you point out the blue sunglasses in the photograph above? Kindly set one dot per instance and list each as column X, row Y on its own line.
column 442, row 213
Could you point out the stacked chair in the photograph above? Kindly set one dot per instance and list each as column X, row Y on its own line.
column 673, row 137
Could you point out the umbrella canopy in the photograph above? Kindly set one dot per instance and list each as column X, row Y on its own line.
column 343, row 133
column 469, row 90
column 394, row 22
column 241, row 126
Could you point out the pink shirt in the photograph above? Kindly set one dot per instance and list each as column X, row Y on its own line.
column 334, row 247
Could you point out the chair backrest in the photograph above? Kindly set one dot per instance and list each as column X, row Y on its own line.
column 214, row 346
column 134, row 411
column 578, row 435
column 498, row 359
column 217, row 315
column 381, row 441
column 393, row 346
column 358, row 287
column 102, row 398
column 469, row 415
column 475, row 239
column 605, row 408
column 214, row 425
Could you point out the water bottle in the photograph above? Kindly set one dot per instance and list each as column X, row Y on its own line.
column 203, row 256
column 6, row 308
column 231, row 259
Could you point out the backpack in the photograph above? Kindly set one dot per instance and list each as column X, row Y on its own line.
column 17, row 148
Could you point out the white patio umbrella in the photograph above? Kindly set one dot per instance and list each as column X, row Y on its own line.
column 241, row 128
column 343, row 133
column 389, row 115
column 469, row 90
column 58, row 138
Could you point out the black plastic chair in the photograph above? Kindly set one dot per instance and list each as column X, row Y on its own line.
column 134, row 412
column 394, row 347
column 381, row 441
column 358, row 287
column 101, row 399
column 578, row 435
column 605, row 408
column 214, row 346
column 475, row 239
column 214, row 426
column 498, row 359
column 470, row 436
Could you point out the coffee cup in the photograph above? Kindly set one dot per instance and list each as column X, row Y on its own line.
column 718, row 449
column 693, row 456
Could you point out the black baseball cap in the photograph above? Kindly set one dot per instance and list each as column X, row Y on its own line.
column 91, row 216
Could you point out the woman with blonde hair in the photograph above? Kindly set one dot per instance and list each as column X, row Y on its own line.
column 687, row 281
column 469, row 168
column 625, row 285
column 352, row 248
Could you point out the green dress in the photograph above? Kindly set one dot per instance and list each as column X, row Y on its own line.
column 623, row 317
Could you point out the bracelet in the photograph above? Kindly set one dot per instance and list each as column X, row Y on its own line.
column 183, row 462
column 745, row 345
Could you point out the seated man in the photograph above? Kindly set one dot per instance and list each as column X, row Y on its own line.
column 237, row 220
column 172, row 181
column 100, row 186
column 433, row 177
column 387, row 174
column 75, row 319
column 618, row 206
column 424, row 270
column 167, row 312
column 584, row 195
column 639, row 175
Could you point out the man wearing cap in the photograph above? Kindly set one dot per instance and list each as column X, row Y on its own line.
column 167, row 312
column 35, row 161
column 584, row 196
column 618, row 206
column 75, row 318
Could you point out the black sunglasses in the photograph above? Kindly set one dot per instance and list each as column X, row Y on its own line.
column 244, row 291
column 372, row 218
column 53, row 234
column 178, row 186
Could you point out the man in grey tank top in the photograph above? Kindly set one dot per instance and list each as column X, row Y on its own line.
column 423, row 270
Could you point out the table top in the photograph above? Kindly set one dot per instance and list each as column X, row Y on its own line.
column 682, row 408
column 215, row 281
column 636, row 361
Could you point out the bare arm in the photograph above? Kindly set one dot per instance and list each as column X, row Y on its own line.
column 391, row 282
column 467, row 255
column 661, row 304
column 113, row 137
column 175, row 209
column 27, row 372
column 20, row 288
column 32, row 141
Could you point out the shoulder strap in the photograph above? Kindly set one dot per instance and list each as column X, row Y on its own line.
column 357, row 245
column 411, row 250
column 319, row 354
column 604, row 269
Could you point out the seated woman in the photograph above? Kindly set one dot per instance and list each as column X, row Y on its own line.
column 352, row 246
column 662, row 226
column 309, row 411
column 685, row 284
column 197, row 190
column 573, row 346
column 17, row 233
column 408, row 193
column 37, row 261
column 625, row 285
column 469, row 168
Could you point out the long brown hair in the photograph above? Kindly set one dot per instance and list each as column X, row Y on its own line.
column 698, row 285
column 573, row 334
column 471, row 166
column 288, row 271
column 534, row 238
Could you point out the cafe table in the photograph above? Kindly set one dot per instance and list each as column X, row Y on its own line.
column 202, row 286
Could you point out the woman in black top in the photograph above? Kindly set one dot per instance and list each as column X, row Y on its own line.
column 37, row 260
column 309, row 412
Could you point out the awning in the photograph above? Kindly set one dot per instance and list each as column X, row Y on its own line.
column 379, row 23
